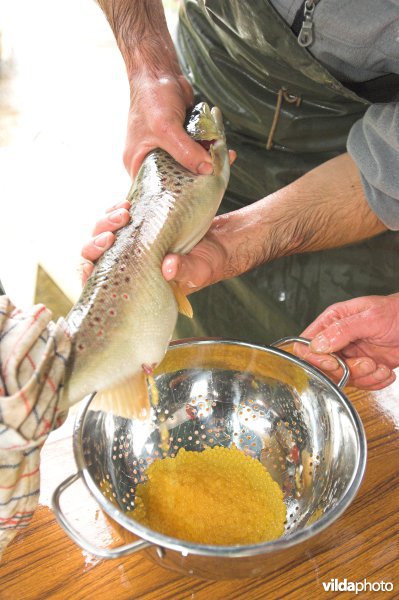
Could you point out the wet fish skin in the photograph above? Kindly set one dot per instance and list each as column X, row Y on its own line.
column 127, row 312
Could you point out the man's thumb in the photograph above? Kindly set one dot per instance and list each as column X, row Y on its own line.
column 340, row 334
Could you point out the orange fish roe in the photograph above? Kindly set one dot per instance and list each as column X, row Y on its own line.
column 219, row 496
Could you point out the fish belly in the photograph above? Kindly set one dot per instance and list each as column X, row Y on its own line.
column 137, row 337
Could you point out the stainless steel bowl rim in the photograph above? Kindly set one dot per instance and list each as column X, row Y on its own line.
column 187, row 548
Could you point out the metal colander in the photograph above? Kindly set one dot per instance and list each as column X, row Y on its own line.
column 271, row 405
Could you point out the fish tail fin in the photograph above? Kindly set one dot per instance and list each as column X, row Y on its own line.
column 129, row 399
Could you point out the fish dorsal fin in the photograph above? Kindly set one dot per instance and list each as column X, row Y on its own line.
column 183, row 304
column 129, row 399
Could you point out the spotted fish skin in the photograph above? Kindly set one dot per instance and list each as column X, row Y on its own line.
column 127, row 312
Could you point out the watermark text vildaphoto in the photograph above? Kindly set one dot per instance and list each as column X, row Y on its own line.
column 343, row 585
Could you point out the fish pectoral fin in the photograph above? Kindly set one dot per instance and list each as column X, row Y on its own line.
column 217, row 157
column 183, row 303
column 129, row 399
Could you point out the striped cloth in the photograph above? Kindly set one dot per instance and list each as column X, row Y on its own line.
column 33, row 353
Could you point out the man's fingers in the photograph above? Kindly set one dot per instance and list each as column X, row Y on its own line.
column 186, row 151
column 181, row 146
column 380, row 378
column 123, row 204
column 341, row 333
column 232, row 156
column 98, row 245
column 112, row 221
column 326, row 318
column 190, row 271
column 361, row 367
column 170, row 266
column 325, row 362
column 336, row 312
column 364, row 372
column 182, row 269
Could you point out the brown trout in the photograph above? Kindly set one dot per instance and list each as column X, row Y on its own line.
column 123, row 322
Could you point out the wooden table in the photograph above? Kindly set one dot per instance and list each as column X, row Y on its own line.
column 44, row 563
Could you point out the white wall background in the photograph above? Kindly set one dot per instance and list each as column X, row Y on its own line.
column 63, row 106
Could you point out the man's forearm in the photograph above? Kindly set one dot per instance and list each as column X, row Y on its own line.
column 142, row 35
column 326, row 208
column 160, row 95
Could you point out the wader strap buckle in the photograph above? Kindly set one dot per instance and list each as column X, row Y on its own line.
column 282, row 94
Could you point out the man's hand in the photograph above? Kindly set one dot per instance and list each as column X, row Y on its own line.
column 156, row 116
column 159, row 93
column 364, row 332
column 103, row 237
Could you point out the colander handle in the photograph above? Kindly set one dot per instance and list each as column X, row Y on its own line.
column 290, row 340
column 78, row 538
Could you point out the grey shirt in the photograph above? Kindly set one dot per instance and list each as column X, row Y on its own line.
column 358, row 40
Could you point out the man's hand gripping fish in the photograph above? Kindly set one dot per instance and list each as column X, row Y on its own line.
column 123, row 322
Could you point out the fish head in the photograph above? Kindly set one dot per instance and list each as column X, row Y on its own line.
column 205, row 125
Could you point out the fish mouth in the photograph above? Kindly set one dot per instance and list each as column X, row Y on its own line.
column 206, row 143
column 205, row 125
